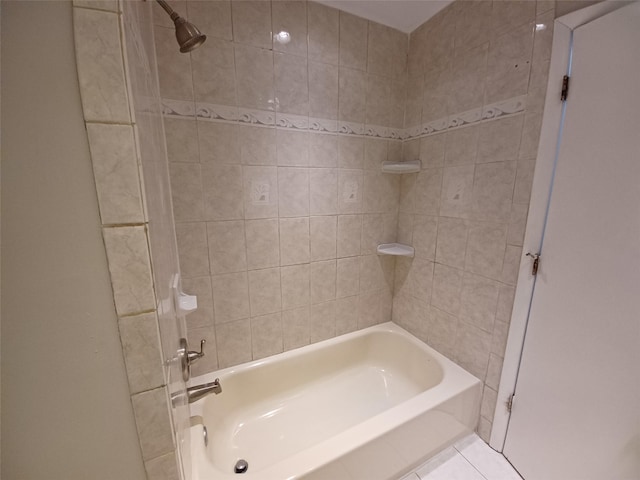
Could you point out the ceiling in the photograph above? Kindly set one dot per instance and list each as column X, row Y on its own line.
column 403, row 15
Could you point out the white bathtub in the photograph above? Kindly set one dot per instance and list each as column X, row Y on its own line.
column 372, row 404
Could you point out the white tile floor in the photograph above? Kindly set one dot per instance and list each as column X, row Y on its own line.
column 468, row 459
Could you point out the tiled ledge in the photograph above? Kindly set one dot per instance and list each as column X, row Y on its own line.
column 240, row 115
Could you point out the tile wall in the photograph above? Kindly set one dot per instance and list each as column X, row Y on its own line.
column 477, row 75
column 275, row 152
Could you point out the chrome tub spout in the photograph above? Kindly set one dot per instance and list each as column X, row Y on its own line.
column 197, row 392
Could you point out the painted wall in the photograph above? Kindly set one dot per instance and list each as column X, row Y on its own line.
column 277, row 191
column 66, row 411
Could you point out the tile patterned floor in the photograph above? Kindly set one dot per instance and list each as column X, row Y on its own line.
column 468, row 459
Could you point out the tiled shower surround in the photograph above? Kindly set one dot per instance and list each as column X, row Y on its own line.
column 279, row 201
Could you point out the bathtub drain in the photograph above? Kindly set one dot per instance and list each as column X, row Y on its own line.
column 241, row 466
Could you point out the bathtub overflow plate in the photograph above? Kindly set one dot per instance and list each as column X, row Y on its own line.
column 241, row 466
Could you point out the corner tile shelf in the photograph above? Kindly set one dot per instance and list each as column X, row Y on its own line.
column 401, row 167
column 397, row 249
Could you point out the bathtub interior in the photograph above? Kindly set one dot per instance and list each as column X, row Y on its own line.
column 319, row 397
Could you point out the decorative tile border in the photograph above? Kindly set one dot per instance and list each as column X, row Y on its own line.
column 225, row 113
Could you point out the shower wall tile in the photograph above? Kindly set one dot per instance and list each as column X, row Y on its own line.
column 323, row 90
column 115, row 169
column 142, row 351
column 493, row 191
column 108, row 5
column 219, row 143
column 323, row 191
column 293, row 191
column 164, row 467
column 347, row 277
column 291, row 17
column 201, row 288
column 227, row 249
column 152, row 421
column 222, row 192
column 346, row 315
column 230, row 297
column 209, row 362
column 130, row 269
column 252, row 22
column 266, row 335
column 263, row 241
column 323, row 237
column 182, row 140
column 349, row 235
column 323, row 150
column 352, row 95
column 174, row 68
column 254, row 73
column 295, row 286
column 292, row 148
column 353, row 41
column 186, row 191
column 323, row 24
column 294, row 241
column 214, row 18
column 291, row 82
column 386, row 53
column 257, row 145
column 214, row 72
column 265, row 293
column 260, row 192
column 192, row 248
column 295, row 326
column 322, row 321
column 102, row 84
column 323, row 281
column 233, row 343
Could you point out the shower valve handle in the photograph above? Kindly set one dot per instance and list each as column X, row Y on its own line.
column 193, row 356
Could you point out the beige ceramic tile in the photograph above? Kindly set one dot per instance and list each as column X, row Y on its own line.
column 530, row 135
column 174, row 68
column 352, row 95
column 378, row 100
column 348, row 277
column 369, row 312
column 222, row 192
column 164, row 467
column 405, row 228
column 290, row 17
column 263, row 243
column 323, row 190
column 295, row 325
column 437, row 100
column 442, row 328
column 499, row 140
column 457, row 191
column 447, row 284
column 252, row 22
column 293, row 191
column 499, row 338
column 265, row 294
column 478, row 301
column 230, row 297
column 182, row 139
column 509, row 63
column 219, row 143
column 489, row 400
column 413, row 101
column 469, row 75
column 108, row 5
column 266, row 335
column 115, row 169
column 153, row 422
column 420, row 279
column 323, row 281
column 387, row 50
column 192, row 249
column 214, row 72
column 186, row 191
column 260, row 192
column 323, row 33
column 452, row 241
column 323, row 237
column 294, row 241
column 494, row 370
column 214, row 18
column 254, row 73
column 461, row 146
column 473, row 25
column 257, row 145
column 323, row 150
column 350, row 183
column 295, row 286
column 227, row 249
column 375, row 153
column 349, row 235
column 511, row 265
column 353, row 41
column 346, row 315
column 524, row 181
column 160, row 17
column 371, row 273
column 493, row 191
column 506, row 15
column 517, row 224
column 102, row 84
column 505, row 303
column 291, row 82
column 432, row 150
column 350, row 152
column 234, row 343
column 130, row 268
column 322, row 321
column 201, row 288
column 428, row 189
column 142, row 352
column 484, row 429
column 292, row 148
column 372, row 233
column 473, row 346
column 425, row 232
column 485, row 249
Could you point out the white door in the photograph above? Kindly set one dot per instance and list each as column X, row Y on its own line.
column 576, row 410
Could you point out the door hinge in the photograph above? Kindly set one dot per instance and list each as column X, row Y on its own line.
column 565, row 88
column 509, row 403
column 536, row 262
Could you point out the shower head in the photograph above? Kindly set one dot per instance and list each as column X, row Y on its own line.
column 187, row 34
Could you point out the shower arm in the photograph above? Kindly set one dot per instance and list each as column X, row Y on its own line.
column 168, row 9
